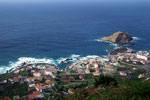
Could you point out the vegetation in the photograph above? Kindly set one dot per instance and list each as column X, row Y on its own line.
column 107, row 88
column 14, row 89
column 105, row 81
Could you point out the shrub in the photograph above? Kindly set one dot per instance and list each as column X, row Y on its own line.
column 105, row 81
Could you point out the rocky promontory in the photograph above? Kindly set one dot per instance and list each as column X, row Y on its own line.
column 120, row 38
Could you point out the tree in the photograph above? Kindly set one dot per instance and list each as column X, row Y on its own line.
column 105, row 81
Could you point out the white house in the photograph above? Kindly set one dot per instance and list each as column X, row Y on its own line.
column 48, row 72
column 87, row 71
column 143, row 55
column 141, row 76
column 35, row 95
column 30, row 79
column 123, row 73
column 36, row 74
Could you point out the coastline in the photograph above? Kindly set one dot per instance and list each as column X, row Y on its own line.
column 74, row 57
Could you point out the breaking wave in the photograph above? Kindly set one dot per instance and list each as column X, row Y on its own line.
column 136, row 38
column 72, row 58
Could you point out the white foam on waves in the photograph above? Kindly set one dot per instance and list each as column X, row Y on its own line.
column 136, row 38
column 74, row 58
column 89, row 57
column 22, row 60
column 31, row 60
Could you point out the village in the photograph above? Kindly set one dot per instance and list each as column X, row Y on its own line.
column 46, row 81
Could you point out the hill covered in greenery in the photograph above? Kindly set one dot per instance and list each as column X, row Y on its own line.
column 108, row 88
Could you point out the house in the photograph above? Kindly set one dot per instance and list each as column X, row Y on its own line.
column 7, row 98
column 10, row 79
column 48, row 72
column 129, row 50
column 3, row 81
column 70, row 91
column 71, row 78
column 58, row 93
column 31, row 85
column 123, row 73
column 16, row 72
column 40, row 87
column 143, row 55
column 55, row 71
column 81, row 76
column 38, row 78
column 36, row 74
column 80, row 70
column 19, row 76
column 50, row 82
column 96, row 73
column 48, row 77
column 95, row 65
column 141, row 76
column 97, row 69
column 15, row 79
column 35, row 95
column 17, row 96
column 30, row 79
column 143, row 61
column 87, row 71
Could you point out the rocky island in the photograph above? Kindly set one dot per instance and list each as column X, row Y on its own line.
column 120, row 38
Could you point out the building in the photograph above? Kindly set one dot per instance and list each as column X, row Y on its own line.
column 36, row 74
column 87, row 71
column 95, row 65
column 35, row 95
column 96, row 73
column 143, row 55
column 141, row 76
column 40, row 87
column 97, row 69
column 30, row 79
column 48, row 72
column 81, row 76
column 70, row 91
column 123, row 73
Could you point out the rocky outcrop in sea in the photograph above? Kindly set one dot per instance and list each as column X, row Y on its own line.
column 120, row 38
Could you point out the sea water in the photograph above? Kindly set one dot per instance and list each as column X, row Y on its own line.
column 57, row 31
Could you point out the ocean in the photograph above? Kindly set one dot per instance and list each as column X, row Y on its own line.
column 57, row 30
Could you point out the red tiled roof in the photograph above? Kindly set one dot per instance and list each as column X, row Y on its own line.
column 34, row 95
column 66, row 80
column 38, row 77
column 97, row 69
column 17, row 96
column 19, row 76
column 58, row 93
column 39, row 86
column 122, row 71
column 54, row 71
column 96, row 73
column 36, row 72
column 7, row 98
column 95, row 63
column 47, row 70
column 30, row 78
column 16, row 79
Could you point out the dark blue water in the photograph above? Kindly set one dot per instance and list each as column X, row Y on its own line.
column 54, row 30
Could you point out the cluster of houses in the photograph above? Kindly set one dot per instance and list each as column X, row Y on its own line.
column 39, row 79
column 88, row 66
column 100, row 65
